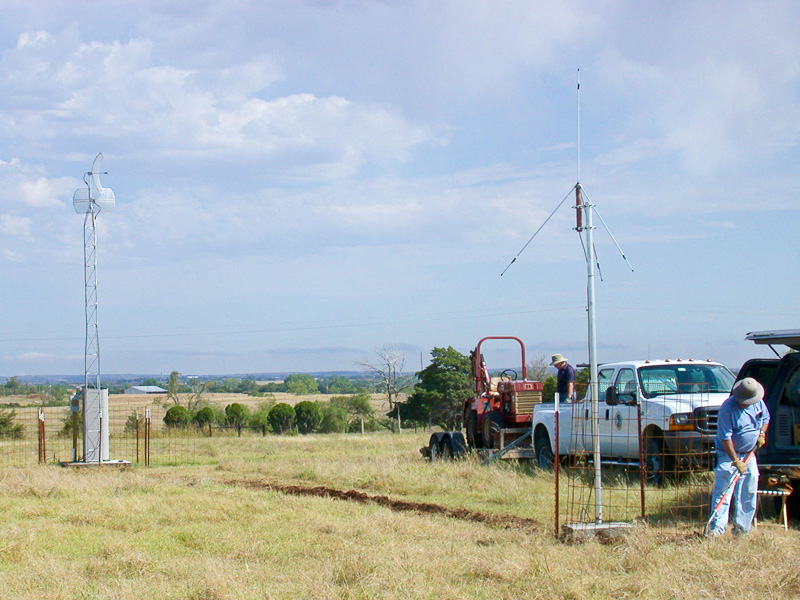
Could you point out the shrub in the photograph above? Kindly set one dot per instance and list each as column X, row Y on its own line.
column 204, row 416
column 177, row 417
column 308, row 416
column 281, row 417
column 260, row 417
column 8, row 428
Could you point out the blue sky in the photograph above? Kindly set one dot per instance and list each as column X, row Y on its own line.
column 301, row 183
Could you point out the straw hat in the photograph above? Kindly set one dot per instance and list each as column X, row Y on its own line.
column 557, row 358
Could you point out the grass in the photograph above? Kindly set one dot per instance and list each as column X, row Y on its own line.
column 191, row 533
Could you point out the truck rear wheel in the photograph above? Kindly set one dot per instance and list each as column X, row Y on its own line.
column 545, row 459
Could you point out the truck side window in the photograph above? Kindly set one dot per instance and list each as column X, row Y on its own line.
column 626, row 386
column 603, row 382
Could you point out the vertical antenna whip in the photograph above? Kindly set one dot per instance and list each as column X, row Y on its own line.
column 579, row 125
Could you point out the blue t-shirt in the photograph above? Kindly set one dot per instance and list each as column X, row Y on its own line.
column 740, row 424
column 565, row 375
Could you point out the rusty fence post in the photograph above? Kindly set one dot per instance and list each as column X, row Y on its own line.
column 137, row 435
column 147, row 437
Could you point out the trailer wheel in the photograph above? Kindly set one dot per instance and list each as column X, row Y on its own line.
column 545, row 459
column 446, row 448
column 433, row 446
column 458, row 444
column 492, row 424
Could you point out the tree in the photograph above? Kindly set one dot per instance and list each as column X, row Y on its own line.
column 388, row 368
column 301, row 384
column 443, row 386
column 308, row 416
column 177, row 417
column 173, row 387
column 538, row 368
column 356, row 408
column 260, row 416
column 334, row 418
column 281, row 417
column 237, row 415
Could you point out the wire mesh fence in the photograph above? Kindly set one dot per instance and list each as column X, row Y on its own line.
column 656, row 460
column 137, row 434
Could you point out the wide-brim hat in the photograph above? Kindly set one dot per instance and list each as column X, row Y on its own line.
column 557, row 358
column 748, row 391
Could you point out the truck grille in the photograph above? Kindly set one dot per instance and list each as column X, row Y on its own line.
column 525, row 400
column 705, row 419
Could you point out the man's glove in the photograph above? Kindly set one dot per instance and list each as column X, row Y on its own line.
column 762, row 439
column 740, row 465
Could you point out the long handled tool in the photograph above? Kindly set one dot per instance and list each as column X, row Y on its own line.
column 734, row 478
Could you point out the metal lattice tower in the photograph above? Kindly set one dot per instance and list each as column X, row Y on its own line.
column 90, row 201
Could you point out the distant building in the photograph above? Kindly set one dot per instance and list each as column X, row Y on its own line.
column 145, row 389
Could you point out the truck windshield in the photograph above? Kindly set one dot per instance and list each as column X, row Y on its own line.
column 683, row 378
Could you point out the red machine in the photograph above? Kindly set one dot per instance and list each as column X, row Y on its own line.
column 502, row 407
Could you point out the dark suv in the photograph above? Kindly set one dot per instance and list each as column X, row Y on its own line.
column 780, row 376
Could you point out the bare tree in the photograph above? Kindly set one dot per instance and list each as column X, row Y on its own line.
column 194, row 399
column 388, row 368
column 537, row 368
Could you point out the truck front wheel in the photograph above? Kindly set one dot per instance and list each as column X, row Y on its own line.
column 658, row 464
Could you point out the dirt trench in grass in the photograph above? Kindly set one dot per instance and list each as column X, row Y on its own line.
column 502, row 521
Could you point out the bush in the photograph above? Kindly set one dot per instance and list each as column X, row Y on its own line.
column 177, row 417
column 308, row 416
column 281, row 417
column 237, row 415
column 260, row 417
column 8, row 428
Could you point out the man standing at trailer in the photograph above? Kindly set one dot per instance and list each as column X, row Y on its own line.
column 565, row 382
column 741, row 428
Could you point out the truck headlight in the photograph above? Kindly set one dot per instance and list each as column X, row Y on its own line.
column 681, row 422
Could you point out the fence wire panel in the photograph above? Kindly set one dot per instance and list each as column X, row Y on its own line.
column 656, row 462
column 136, row 434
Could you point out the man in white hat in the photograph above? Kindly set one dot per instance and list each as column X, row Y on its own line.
column 741, row 427
column 565, row 381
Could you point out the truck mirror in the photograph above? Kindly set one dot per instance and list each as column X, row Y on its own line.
column 611, row 396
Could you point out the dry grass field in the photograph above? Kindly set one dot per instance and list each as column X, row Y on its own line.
column 232, row 528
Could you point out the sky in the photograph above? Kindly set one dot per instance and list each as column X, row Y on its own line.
column 300, row 184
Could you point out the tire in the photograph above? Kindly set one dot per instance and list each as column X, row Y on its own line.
column 459, row 444
column 433, row 446
column 545, row 459
column 471, row 427
column 492, row 423
column 658, row 465
column 446, row 449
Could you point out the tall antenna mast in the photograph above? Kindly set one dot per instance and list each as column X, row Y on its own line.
column 91, row 201
column 583, row 207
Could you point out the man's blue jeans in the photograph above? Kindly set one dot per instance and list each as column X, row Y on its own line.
column 744, row 496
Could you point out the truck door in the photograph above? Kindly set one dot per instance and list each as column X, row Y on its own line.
column 618, row 425
column 582, row 412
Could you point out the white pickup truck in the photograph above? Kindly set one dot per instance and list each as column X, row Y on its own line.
column 679, row 401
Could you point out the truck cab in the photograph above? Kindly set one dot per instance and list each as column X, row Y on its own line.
column 679, row 402
column 780, row 376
